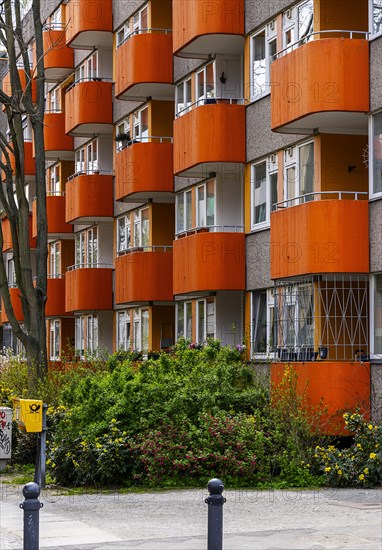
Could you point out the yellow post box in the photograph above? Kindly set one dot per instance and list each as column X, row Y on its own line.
column 28, row 414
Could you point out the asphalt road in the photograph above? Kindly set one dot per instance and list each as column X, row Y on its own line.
column 333, row 519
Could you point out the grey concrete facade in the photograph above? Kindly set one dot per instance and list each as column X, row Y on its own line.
column 376, row 74
column 258, row 260
column 375, row 228
column 258, row 13
column 376, row 392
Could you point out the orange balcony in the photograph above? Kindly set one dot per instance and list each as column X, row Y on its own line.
column 323, row 236
column 58, row 58
column 55, row 210
column 89, row 24
column 144, row 67
column 203, row 27
column 209, row 261
column 55, row 303
column 322, row 86
column 16, row 304
column 144, row 276
column 7, row 236
column 88, row 289
column 88, row 108
column 29, row 163
column 208, row 138
column 340, row 386
column 23, row 81
column 89, row 198
column 144, row 170
column 57, row 143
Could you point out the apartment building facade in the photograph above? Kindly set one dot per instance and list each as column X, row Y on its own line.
column 214, row 171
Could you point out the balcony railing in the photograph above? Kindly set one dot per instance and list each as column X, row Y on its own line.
column 211, row 229
column 91, row 265
column 211, row 101
column 302, row 41
column 88, row 79
column 318, row 195
column 143, row 31
column 90, row 172
column 144, row 248
column 123, row 143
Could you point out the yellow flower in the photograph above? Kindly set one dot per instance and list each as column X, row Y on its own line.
column 339, row 472
column 308, row 465
column 361, row 477
column 113, row 420
column 366, row 471
column 370, row 426
column 328, row 469
column 372, row 456
column 359, row 446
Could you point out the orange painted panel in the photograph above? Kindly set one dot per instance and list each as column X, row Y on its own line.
column 209, row 261
column 57, row 53
column 89, row 196
column 54, row 133
column 88, row 103
column 341, row 386
column 16, row 304
column 144, row 167
column 325, row 75
column 326, row 236
column 209, row 133
column 23, row 81
column 55, row 303
column 29, row 162
column 55, row 209
column 88, row 15
column 143, row 58
column 88, row 289
column 194, row 18
column 7, row 236
column 143, row 276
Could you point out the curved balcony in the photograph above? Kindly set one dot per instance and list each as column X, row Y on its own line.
column 322, row 86
column 144, row 66
column 55, row 303
column 88, row 288
column 145, row 171
column 208, row 138
column 55, row 211
column 88, row 108
column 89, row 197
column 58, row 58
column 339, row 386
column 320, row 236
column 16, row 305
column 144, row 275
column 23, row 81
column 29, row 162
column 90, row 24
column 206, row 261
column 57, row 143
column 7, row 236
column 203, row 27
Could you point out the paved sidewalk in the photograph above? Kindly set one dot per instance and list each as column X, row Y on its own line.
column 268, row 520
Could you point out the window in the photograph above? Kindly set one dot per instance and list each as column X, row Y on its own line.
column 184, row 211
column 263, row 50
column 295, row 316
column 55, row 260
column 264, row 191
column 205, row 314
column 141, row 330
column 297, row 24
column 54, row 100
column 133, row 230
column 263, row 322
column 183, row 97
column 122, row 134
column 205, row 209
column 54, row 339
column 54, row 180
column 123, row 233
column 135, row 24
column 87, row 248
column 184, row 320
column 56, row 20
column 86, row 335
column 375, row 153
column 205, row 86
column 299, row 173
column 86, row 158
column 141, row 124
column 376, row 325
column 11, row 274
column 123, row 330
column 88, row 69
column 375, row 10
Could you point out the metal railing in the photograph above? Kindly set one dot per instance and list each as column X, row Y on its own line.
column 90, row 172
column 88, row 79
column 316, row 195
column 54, row 27
column 89, row 265
column 54, row 194
column 144, row 248
column 210, row 229
column 55, row 275
column 306, row 39
column 144, row 31
column 212, row 101
column 123, row 143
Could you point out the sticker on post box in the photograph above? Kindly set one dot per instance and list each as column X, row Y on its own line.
column 28, row 414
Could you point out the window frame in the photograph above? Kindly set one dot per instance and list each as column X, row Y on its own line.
column 292, row 24
column 374, row 354
column 373, row 34
column 87, row 248
column 186, row 86
column 270, row 321
column 270, row 37
column 54, row 343
column 292, row 159
column 55, row 260
column 372, row 154
column 84, row 161
column 271, row 169
column 88, row 69
column 205, row 186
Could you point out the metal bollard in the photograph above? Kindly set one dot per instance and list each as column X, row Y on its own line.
column 215, row 514
column 31, row 507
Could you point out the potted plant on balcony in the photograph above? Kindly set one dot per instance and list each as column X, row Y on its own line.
column 124, row 139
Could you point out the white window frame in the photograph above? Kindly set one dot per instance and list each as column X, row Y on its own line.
column 290, row 20
column 133, row 25
column 185, row 307
column 123, row 335
column 137, row 234
column 207, row 94
column 371, row 18
column 87, row 248
column 181, row 199
column 88, row 69
column 209, row 327
column 87, row 158
column 259, row 90
column 374, row 354
column 205, row 186
column 184, row 88
column 140, row 317
column 271, row 169
column 54, row 100
column 123, row 127
column 54, row 183
column 374, row 150
column 125, row 222
column 86, row 335
column 11, row 274
column 292, row 157
column 138, row 132
column 54, row 342
column 270, row 324
column 55, row 20
column 55, row 260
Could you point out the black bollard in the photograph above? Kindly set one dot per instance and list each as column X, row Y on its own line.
column 215, row 514
column 31, row 507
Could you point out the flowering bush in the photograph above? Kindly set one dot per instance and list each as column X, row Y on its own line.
column 361, row 464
